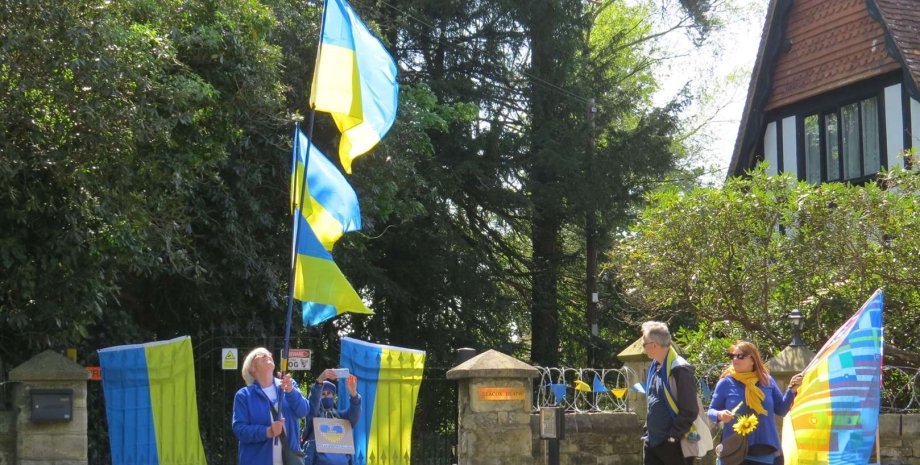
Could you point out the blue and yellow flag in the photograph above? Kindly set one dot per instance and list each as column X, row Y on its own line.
column 319, row 281
column 354, row 80
column 333, row 208
column 835, row 415
column 150, row 403
column 388, row 381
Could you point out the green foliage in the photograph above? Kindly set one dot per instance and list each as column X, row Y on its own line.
column 129, row 159
column 761, row 246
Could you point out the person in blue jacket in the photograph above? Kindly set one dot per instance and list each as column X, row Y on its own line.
column 266, row 411
column 748, row 383
column 323, row 400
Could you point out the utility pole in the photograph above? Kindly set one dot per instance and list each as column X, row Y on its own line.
column 591, row 243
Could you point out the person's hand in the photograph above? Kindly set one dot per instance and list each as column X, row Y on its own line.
column 287, row 384
column 326, row 374
column 725, row 416
column 795, row 382
column 276, row 428
column 352, row 385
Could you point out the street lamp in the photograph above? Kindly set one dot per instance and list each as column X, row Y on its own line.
column 797, row 321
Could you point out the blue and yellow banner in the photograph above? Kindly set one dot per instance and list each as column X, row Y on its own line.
column 354, row 80
column 388, row 381
column 150, row 403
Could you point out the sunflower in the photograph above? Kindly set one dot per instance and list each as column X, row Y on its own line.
column 745, row 424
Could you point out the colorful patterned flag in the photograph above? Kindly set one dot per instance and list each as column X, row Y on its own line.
column 388, row 381
column 354, row 80
column 835, row 415
column 150, row 403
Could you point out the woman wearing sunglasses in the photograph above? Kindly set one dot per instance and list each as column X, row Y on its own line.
column 746, row 387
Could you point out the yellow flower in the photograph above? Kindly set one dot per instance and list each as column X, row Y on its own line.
column 745, row 424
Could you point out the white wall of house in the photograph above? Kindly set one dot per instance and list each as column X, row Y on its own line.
column 770, row 150
column 915, row 124
column 894, row 125
column 790, row 152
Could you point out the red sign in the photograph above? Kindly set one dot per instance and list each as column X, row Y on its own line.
column 95, row 373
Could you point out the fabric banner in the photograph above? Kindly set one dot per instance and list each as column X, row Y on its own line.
column 835, row 415
column 150, row 403
column 388, row 381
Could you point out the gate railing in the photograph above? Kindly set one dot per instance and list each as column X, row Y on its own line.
column 604, row 390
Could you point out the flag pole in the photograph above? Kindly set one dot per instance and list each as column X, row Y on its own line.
column 294, row 231
column 296, row 222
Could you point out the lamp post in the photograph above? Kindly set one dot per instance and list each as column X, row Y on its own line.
column 797, row 322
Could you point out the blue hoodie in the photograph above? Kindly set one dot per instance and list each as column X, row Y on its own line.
column 352, row 413
column 252, row 417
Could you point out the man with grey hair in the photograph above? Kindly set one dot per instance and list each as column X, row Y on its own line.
column 671, row 393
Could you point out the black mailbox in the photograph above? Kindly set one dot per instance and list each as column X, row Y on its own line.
column 52, row 405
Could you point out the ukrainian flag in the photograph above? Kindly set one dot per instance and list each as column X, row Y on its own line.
column 354, row 80
column 319, row 281
column 150, row 403
column 388, row 381
column 334, row 208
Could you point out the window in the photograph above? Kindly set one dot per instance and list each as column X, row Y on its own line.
column 843, row 144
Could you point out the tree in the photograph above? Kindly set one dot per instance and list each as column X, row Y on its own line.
column 761, row 246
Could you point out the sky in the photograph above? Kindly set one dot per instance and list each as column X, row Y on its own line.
column 718, row 74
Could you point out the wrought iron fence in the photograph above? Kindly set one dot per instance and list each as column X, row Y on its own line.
column 604, row 390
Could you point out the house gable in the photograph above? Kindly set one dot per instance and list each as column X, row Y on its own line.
column 832, row 75
column 830, row 44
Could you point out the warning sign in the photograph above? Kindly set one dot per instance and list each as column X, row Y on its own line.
column 229, row 359
column 299, row 359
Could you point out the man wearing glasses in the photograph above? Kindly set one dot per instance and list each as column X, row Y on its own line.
column 672, row 399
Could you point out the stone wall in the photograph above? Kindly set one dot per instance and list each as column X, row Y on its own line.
column 7, row 437
column 900, row 439
column 594, row 439
column 613, row 439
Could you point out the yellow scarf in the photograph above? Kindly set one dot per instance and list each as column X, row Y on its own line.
column 753, row 395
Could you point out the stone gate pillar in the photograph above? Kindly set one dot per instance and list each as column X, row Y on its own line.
column 494, row 407
column 636, row 362
column 52, row 438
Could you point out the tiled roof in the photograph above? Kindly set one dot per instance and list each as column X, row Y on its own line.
column 901, row 18
column 831, row 44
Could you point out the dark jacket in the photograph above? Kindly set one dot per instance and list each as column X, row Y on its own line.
column 662, row 421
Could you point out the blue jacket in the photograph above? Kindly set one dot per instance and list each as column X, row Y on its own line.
column 729, row 392
column 252, row 416
column 352, row 413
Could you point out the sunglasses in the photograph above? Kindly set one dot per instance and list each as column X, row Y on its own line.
column 737, row 356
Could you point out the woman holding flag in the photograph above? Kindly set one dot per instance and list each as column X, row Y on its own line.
column 746, row 401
